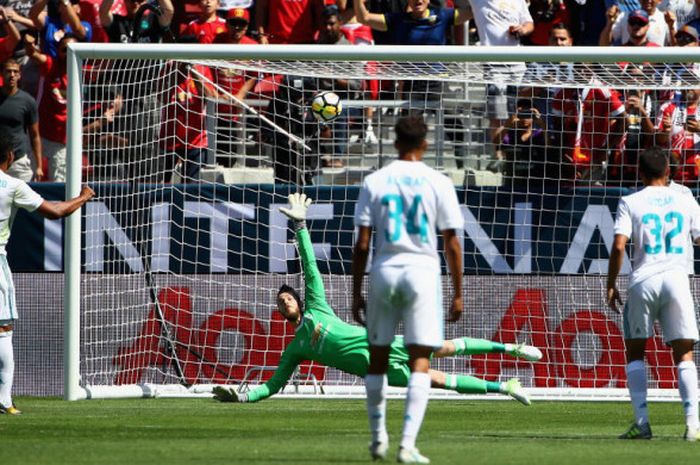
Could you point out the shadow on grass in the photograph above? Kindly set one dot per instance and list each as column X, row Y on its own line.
column 570, row 437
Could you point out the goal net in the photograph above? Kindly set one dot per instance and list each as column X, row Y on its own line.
column 173, row 272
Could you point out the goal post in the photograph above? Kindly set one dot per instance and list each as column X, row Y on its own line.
column 171, row 278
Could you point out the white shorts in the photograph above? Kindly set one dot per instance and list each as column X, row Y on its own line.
column 56, row 153
column 8, row 309
column 665, row 297
column 412, row 294
column 22, row 168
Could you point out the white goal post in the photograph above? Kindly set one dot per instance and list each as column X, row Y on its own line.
column 170, row 285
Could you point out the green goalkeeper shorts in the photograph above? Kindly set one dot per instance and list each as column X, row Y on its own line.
column 398, row 372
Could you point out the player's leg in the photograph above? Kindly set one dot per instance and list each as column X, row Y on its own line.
column 473, row 346
column 638, row 320
column 637, row 386
column 465, row 384
column 687, row 385
column 416, row 403
column 421, row 300
column 7, row 372
column 375, row 387
column 680, row 329
column 381, row 325
column 399, row 373
column 8, row 314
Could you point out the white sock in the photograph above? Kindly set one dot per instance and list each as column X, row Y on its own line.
column 637, row 386
column 416, row 404
column 688, row 388
column 7, row 368
column 376, row 385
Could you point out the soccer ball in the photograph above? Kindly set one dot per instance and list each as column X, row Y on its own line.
column 326, row 106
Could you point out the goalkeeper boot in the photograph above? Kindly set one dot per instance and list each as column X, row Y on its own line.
column 691, row 434
column 11, row 410
column 636, row 431
column 524, row 351
column 377, row 450
column 411, row 456
column 513, row 388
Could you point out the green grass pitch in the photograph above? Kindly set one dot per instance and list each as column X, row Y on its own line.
column 286, row 431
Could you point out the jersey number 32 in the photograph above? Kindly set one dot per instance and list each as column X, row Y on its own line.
column 656, row 228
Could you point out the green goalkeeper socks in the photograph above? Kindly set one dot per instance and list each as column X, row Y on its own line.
column 469, row 385
column 471, row 346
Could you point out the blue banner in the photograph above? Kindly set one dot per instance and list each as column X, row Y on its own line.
column 234, row 229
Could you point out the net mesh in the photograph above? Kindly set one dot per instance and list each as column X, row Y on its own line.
column 184, row 246
column 618, row 75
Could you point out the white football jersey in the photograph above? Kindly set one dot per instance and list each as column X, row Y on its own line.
column 685, row 10
column 658, row 29
column 14, row 194
column 659, row 220
column 494, row 17
column 407, row 203
column 690, row 250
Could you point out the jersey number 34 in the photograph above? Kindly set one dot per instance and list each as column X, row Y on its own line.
column 414, row 220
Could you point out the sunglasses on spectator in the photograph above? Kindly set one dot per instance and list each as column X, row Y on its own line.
column 238, row 23
column 636, row 23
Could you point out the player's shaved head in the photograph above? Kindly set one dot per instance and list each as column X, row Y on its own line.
column 410, row 133
column 653, row 163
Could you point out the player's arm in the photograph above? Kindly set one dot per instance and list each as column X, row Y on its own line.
column 376, row 21
column 31, row 49
column 35, row 140
column 167, row 11
column 695, row 224
column 617, row 256
column 12, row 15
column 11, row 31
column 623, row 231
column 314, row 292
column 60, row 209
column 261, row 16
column 288, row 363
column 73, row 20
column 38, row 14
column 453, row 256
column 360, row 255
column 612, row 17
column 105, row 12
column 245, row 88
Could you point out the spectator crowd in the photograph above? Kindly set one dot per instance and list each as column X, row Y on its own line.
column 586, row 133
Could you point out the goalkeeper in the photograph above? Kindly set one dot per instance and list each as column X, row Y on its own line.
column 324, row 338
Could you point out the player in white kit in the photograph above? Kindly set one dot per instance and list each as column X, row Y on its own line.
column 14, row 194
column 406, row 202
column 659, row 220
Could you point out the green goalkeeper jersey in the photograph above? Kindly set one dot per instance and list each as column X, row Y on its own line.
column 321, row 336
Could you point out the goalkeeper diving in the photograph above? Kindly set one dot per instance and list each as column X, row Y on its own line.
column 324, row 338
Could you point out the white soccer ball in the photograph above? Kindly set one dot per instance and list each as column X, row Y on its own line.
column 326, row 106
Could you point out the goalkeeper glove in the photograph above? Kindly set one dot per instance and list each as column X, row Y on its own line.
column 298, row 205
column 223, row 394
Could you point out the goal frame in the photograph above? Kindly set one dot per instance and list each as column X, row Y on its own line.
column 78, row 52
